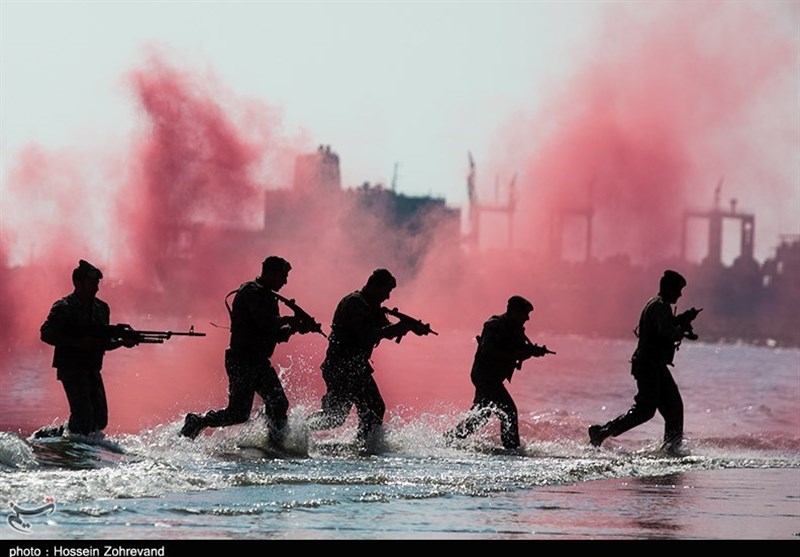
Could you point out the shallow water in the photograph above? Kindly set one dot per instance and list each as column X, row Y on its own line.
column 740, row 478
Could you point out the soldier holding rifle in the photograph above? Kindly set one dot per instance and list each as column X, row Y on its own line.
column 502, row 347
column 74, row 326
column 359, row 324
column 256, row 328
column 124, row 332
column 660, row 332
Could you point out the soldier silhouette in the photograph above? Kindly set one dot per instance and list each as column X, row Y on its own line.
column 256, row 328
column 502, row 347
column 659, row 332
column 359, row 324
column 74, row 327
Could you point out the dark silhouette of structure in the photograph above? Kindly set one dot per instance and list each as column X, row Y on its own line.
column 477, row 209
column 716, row 218
column 743, row 300
column 317, row 172
column 404, row 225
column 559, row 219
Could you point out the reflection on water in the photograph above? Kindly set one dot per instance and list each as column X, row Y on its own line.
column 658, row 503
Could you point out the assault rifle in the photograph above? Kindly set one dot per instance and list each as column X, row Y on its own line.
column 534, row 350
column 414, row 324
column 685, row 319
column 123, row 331
column 309, row 322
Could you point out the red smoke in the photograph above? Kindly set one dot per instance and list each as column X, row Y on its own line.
column 8, row 310
column 673, row 98
column 195, row 164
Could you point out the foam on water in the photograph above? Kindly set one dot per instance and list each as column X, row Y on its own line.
column 416, row 462
column 14, row 452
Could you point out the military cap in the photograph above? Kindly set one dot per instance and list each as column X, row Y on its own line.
column 86, row 270
column 518, row 302
column 672, row 279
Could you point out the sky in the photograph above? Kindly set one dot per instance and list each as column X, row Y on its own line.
column 414, row 83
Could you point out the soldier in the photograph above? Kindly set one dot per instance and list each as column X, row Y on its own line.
column 659, row 332
column 502, row 347
column 359, row 324
column 256, row 328
column 74, row 327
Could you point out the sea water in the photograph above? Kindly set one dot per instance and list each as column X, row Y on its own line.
column 739, row 477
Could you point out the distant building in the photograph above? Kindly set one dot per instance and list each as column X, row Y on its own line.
column 369, row 216
column 317, row 172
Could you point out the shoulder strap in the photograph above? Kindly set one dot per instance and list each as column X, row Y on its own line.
column 232, row 292
column 227, row 305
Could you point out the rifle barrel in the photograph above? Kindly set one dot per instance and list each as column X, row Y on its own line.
column 170, row 333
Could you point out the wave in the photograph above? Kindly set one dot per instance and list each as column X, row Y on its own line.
column 415, row 462
column 14, row 452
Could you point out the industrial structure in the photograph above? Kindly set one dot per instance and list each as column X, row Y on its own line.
column 745, row 299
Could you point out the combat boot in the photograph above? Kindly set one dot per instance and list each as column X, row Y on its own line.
column 53, row 431
column 673, row 445
column 192, row 426
column 598, row 434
